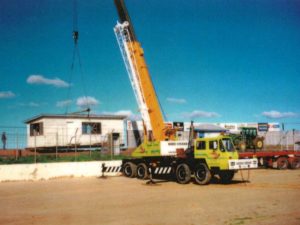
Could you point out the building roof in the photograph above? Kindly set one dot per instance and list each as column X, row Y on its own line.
column 209, row 128
column 75, row 116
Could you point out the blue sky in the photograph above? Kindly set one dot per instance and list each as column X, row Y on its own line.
column 210, row 61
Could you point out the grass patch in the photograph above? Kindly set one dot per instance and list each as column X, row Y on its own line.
column 240, row 221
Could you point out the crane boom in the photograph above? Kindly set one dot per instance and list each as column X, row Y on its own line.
column 133, row 56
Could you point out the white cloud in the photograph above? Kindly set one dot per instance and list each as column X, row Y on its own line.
column 200, row 114
column 86, row 101
column 63, row 103
column 176, row 100
column 273, row 114
column 33, row 104
column 125, row 112
column 39, row 79
column 30, row 104
column 7, row 94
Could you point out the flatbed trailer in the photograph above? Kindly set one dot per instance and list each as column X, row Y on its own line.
column 282, row 159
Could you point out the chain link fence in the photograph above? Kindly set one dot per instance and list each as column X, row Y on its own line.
column 15, row 137
column 23, row 146
column 18, row 138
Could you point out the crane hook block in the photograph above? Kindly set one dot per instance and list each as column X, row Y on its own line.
column 75, row 36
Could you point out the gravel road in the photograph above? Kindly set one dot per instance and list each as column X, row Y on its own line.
column 271, row 197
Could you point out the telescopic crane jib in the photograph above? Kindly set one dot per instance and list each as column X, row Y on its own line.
column 133, row 56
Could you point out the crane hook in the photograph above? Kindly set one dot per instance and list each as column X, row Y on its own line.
column 75, row 36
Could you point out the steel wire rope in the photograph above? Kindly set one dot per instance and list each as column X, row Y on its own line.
column 76, row 52
column 70, row 80
column 82, row 79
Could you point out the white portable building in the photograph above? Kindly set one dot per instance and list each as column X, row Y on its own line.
column 48, row 131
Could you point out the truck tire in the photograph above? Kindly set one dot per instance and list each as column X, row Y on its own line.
column 226, row 176
column 142, row 171
column 183, row 173
column 258, row 143
column 282, row 163
column 294, row 163
column 129, row 169
column 202, row 174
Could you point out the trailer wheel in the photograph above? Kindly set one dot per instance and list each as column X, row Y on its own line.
column 129, row 170
column 142, row 171
column 183, row 173
column 282, row 163
column 226, row 176
column 294, row 163
column 202, row 174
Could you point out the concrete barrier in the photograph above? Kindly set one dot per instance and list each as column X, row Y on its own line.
column 45, row 171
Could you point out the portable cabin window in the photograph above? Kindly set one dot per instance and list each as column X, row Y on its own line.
column 36, row 129
column 201, row 145
column 91, row 128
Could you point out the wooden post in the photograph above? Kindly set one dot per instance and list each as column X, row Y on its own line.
column 56, row 147
column 90, row 144
column 34, row 146
column 17, row 150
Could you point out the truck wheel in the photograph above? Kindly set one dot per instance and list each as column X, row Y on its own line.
column 258, row 144
column 282, row 163
column 183, row 173
column 129, row 170
column 294, row 163
column 142, row 171
column 202, row 174
column 226, row 176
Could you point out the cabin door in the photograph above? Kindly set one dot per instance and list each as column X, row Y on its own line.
column 71, row 133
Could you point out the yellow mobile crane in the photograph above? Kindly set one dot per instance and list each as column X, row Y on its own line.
column 133, row 55
column 160, row 151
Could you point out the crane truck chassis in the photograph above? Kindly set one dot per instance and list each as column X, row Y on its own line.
column 206, row 158
column 160, row 151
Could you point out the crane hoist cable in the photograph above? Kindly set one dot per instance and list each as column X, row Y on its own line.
column 75, row 22
column 76, row 53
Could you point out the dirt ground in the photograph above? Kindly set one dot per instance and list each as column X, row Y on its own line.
column 271, row 197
